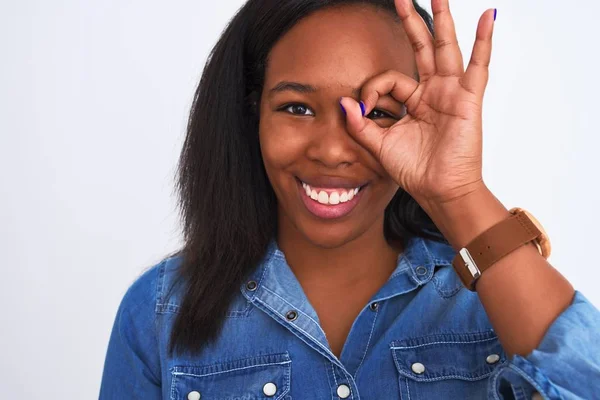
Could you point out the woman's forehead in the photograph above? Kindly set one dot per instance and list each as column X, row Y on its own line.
column 344, row 42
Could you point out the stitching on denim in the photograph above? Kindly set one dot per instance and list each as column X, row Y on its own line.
column 231, row 370
column 328, row 351
column 168, row 308
column 441, row 262
column 494, row 382
column 334, row 378
column 277, row 254
column 173, row 384
column 269, row 311
column 262, row 276
column 401, row 371
column 523, row 374
column 429, row 255
column 442, row 378
column 294, row 307
column 159, row 288
column 443, row 342
column 395, row 359
column 520, row 392
column 327, row 363
column 437, row 283
column 350, row 384
column 407, row 387
column 368, row 342
column 170, row 305
column 288, row 383
column 527, row 378
column 395, row 294
column 284, row 355
column 400, row 271
column 239, row 313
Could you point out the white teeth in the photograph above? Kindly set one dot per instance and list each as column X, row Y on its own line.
column 333, row 198
column 323, row 197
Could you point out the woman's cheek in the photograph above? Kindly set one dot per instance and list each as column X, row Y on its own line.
column 284, row 145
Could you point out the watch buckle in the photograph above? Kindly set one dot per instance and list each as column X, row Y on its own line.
column 470, row 263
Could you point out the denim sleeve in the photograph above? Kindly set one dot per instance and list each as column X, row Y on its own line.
column 566, row 364
column 132, row 364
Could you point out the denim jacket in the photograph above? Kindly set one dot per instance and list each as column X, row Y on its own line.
column 421, row 336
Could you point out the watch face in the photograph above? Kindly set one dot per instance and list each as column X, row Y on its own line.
column 543, row 242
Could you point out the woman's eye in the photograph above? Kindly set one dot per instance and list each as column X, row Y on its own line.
column 297, row 109
column 301, row 109
column 376, row 114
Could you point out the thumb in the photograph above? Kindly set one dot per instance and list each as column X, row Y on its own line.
column 365, row 131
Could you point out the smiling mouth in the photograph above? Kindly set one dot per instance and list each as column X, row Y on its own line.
column 330, row 196
column 329, row 203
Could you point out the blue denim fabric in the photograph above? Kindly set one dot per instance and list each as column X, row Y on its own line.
column 427, row 338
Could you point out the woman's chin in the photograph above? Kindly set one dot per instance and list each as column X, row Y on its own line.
column 329, row 238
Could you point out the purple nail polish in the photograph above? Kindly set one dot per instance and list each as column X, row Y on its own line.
column 362, row 108
column 495, row 12
column 342, row 107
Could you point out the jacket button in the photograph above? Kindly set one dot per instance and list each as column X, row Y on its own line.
column 194, row 395
column 417, row 368
column 492, row 359
column 421, row 270
column 374, row 306
column 251, row 286
column 269, row 389
column 343, row 391
column 291, row 315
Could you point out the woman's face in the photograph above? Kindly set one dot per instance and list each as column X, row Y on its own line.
column 303, row 136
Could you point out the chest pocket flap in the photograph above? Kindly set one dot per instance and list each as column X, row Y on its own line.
column 263, row 377
column 447, row 363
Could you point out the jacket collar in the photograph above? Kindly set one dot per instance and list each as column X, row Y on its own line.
column 415, row 268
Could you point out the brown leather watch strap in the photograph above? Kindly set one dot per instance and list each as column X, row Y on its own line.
column 492, row 245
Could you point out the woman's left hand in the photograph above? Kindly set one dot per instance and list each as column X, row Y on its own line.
column 434, row 152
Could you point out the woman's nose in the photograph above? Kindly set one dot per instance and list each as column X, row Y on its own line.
column 331, row 144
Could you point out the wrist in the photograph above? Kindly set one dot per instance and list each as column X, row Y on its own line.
column 464, row 217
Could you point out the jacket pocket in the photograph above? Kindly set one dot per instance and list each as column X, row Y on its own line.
column 263, row 377
column 452, row 366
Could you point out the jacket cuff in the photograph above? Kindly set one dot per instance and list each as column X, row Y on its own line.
column 566, row 364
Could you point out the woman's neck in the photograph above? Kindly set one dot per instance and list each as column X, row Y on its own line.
column 366, row 260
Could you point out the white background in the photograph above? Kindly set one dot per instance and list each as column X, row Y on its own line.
column 94, row 98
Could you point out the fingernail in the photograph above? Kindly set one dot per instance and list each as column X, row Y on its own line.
column 342, row 107
column 362, row 108
column 495, row 12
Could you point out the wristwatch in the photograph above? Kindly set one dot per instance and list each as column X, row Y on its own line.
column 496, row 242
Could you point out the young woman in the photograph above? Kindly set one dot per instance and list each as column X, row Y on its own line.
column 340, row 241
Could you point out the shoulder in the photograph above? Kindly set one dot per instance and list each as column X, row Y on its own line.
column 149, row 292
column 132, row 359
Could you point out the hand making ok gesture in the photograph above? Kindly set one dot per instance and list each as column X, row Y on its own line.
column 434, row 152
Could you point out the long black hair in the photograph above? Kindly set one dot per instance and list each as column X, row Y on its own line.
column 227, row 204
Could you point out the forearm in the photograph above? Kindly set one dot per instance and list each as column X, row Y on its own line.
column 521, row 293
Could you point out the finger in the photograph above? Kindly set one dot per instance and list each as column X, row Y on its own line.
column 394, row 83
column 448, row 58
column 419, row 36
column 398, row 85
column 366, row 132
column 476, row 77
